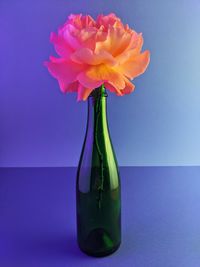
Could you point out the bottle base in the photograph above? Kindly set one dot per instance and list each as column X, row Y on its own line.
column 101, row 253
column 99, row 243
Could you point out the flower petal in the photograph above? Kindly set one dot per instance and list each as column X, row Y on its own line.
column 81, row 21
column 77, row 38
column 71, row 87
column 83, row 92
column 87, row 38
column 69, row 32
column 135, row 66
column 132, row 50
column 85, row 55
column 112, row 89
column 137, row 42
column 129, row 87
column 61, row 46
column 105, row 73
column 116, row 42
column 64, row 71
column 86, row 81
column 110, row 19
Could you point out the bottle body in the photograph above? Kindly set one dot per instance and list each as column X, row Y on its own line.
column 98, row 189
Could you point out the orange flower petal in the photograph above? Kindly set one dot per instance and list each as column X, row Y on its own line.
column 135, row 66
column 85, row 55
column 87, row 81
column 131, row 51
column 112, row 89
column 104, row 73
column 116, row 42
column 129, row 87
column 64, row 71
column 83, row 92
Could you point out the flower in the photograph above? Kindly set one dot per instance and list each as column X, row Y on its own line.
column 98, row 52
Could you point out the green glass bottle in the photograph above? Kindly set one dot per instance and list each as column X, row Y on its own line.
column 98, row 189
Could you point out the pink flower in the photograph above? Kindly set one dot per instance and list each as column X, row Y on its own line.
column 98, row 52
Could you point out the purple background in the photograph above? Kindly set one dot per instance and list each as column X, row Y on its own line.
column 158, row 124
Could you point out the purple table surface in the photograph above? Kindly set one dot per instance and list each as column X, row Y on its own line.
column 160, row 218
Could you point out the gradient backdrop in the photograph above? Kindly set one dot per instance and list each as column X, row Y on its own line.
column 158, row 124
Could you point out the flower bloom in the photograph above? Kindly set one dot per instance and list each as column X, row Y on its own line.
column 98, row 52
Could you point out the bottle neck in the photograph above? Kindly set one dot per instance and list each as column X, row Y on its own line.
column 97, row 111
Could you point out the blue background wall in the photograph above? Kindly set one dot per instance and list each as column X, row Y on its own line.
column 158, row 124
